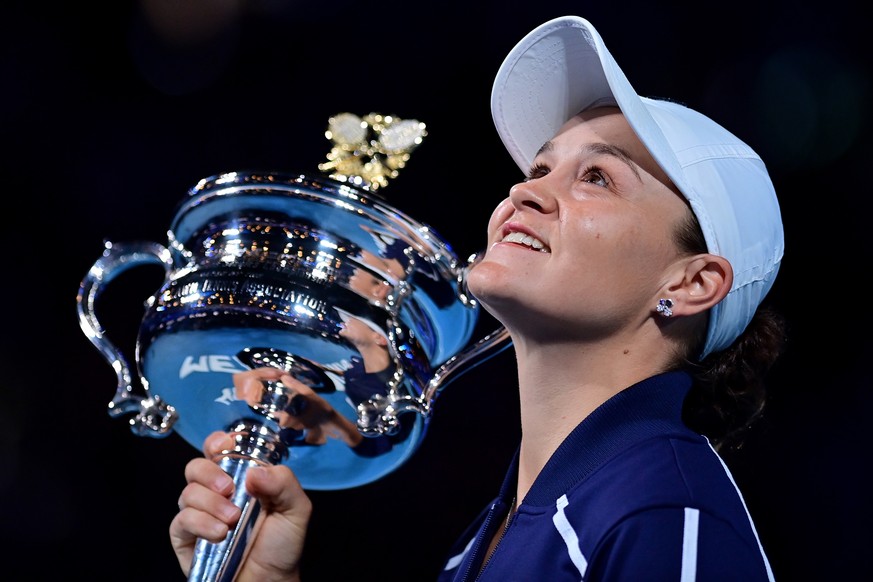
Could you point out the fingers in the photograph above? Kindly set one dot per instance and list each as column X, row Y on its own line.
column 203, row 518
column 280, row 532
column 249, row 384
column 279, row 491
column 206, row 512
column 205, row 501
column 258, row 375
column 315, row 435
column 205, row 509
column 217, row 442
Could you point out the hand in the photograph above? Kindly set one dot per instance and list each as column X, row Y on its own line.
column 314, row 414
column 205, row 511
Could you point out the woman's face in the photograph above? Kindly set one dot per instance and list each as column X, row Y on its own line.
column 583, row 246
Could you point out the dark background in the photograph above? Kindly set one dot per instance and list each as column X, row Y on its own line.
column 108, row 115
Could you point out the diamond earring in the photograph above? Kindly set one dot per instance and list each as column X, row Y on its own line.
column 665, row 307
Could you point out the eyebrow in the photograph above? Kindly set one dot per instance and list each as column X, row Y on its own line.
column 602, row 149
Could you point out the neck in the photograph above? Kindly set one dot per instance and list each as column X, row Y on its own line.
column 560, row 385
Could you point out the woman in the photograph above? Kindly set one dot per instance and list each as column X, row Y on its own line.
column 628, row 268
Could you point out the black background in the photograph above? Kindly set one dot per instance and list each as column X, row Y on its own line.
column 109, row 114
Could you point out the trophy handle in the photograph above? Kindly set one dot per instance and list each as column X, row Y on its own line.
column 154, row 417
column 481, row 351
column 380, row 415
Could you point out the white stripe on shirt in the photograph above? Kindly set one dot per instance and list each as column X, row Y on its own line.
column 748, row 515
column 689, row 545
column 569, row 535
column 454, row 561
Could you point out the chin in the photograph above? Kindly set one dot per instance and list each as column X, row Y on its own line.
column 491, row 286
column 485, row 278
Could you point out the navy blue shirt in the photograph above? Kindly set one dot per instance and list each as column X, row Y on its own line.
column 632, row 494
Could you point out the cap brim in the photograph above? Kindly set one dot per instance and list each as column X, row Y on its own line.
column 557, row 70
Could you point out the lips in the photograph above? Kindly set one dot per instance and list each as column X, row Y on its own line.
column 526, row 240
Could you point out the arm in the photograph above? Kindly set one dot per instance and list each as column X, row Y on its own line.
column 671, row 544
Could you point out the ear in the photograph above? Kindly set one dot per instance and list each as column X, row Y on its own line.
column 705, row 280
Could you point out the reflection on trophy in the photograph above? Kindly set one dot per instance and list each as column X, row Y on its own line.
column 306, row 316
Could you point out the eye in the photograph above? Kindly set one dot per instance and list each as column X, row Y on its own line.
column 596, row 176
column 537, row 170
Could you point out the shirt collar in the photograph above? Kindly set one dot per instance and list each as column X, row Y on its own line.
column 647, row 408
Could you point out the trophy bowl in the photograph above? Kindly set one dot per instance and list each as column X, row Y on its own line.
column 361, row 304
column 307, row 317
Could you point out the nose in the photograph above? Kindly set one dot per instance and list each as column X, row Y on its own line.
column 533, row 195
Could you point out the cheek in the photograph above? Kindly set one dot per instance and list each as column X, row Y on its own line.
column 617, row 250
column 628, row 238
column 640, row 255
column 499, row 216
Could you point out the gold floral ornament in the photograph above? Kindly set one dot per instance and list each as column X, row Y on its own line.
column 368, row 152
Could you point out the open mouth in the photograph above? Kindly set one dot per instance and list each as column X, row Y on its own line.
column 526, row 240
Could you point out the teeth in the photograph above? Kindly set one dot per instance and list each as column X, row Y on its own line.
column 527, row 240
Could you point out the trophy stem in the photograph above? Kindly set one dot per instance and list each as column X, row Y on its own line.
column 255, row 445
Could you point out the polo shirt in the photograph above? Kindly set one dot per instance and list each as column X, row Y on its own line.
column 632, row 494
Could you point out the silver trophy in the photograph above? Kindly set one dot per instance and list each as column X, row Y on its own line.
column 305, row 315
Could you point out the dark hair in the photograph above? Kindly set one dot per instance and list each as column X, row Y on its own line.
column 728, row 393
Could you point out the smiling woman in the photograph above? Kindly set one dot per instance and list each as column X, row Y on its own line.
column 628, row 269
column 606, row 213
column 110, row 112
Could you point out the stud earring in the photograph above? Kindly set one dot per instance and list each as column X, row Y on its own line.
column 665, row 307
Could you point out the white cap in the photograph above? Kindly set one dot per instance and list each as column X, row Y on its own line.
column 562, row 67
column 345, row 316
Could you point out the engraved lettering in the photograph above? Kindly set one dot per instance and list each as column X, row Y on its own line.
column 223, row 364
column 209, row 363
column 227, row 396
column 190, row 365
column 282, row 295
